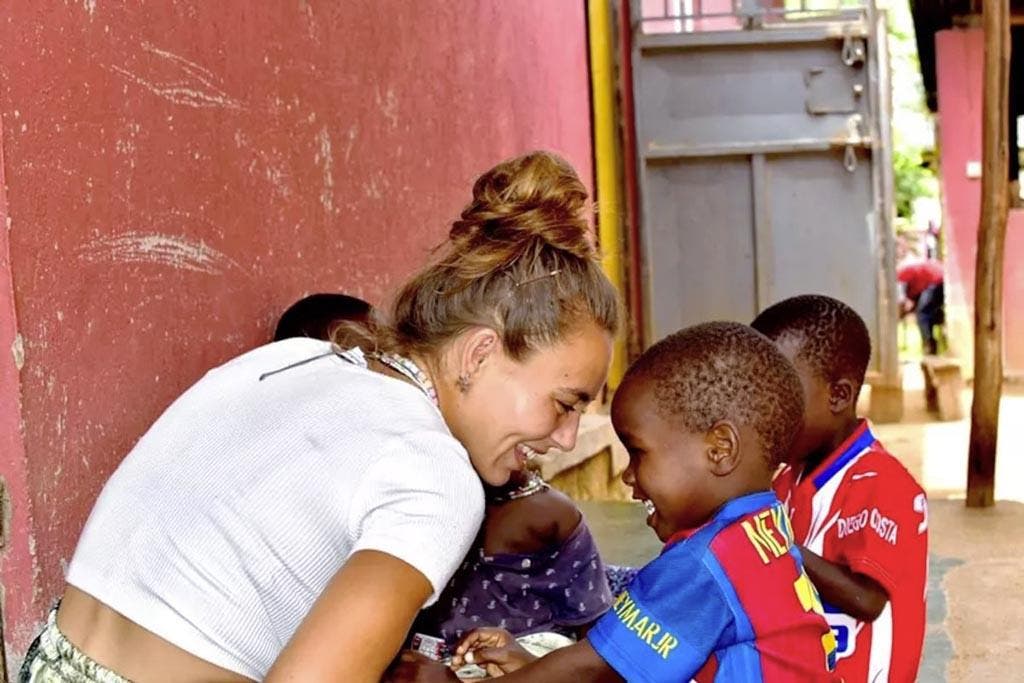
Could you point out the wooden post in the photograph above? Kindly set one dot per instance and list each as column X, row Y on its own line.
column 988, row 281
column 627, row 9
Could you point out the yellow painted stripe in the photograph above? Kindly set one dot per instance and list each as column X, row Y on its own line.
column 606, row 161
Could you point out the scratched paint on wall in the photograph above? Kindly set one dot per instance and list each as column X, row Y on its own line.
column 177, row 173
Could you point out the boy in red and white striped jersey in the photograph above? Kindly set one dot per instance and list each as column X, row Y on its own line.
column 859, row 515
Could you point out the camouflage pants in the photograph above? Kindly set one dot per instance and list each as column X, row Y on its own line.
column 53, row 659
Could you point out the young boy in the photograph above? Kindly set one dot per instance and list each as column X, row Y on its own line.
column 859, row 516
column 706, row 415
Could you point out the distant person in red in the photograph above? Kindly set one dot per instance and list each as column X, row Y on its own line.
column 921, row 282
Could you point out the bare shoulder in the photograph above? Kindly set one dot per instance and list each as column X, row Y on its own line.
column 559, row 512
column 530, row 524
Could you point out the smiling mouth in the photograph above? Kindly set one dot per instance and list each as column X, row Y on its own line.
column 648, row 504
column 524, row 453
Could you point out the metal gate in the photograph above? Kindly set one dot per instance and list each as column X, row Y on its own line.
column 764, row 161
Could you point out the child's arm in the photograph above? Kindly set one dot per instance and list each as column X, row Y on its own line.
column 579, row 662
column 497, row 651
column 571, row 664
column 858, row 595
column 493, row 649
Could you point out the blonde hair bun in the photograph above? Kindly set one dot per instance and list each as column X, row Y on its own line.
column 537, row 196
column 520, row 259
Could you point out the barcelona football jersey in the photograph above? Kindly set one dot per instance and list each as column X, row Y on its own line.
column 728, row 601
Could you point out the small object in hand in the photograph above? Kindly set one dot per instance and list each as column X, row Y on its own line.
column 429, row 646
column 468, row 658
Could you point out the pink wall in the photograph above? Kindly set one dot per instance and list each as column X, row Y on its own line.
column 959, row 65
column 177, row 174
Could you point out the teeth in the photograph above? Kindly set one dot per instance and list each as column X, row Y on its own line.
column 528, row 452
column 650, row 507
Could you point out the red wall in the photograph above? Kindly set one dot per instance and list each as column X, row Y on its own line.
column 176, row 174
column 959, row 66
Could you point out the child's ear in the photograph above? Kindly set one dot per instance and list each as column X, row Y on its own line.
column 842, row 395
column 722, row 447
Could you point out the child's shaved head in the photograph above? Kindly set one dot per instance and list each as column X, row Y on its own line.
column 725, row 371
column 832, row 339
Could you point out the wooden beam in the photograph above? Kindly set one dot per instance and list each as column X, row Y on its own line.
column 988, row 282
column 627, row 10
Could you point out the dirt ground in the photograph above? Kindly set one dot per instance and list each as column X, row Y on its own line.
column 976, row 599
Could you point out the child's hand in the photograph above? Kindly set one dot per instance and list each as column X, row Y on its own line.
column 494, row 649
column 412, row 667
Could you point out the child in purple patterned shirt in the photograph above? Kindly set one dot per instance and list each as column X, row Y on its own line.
column 535, row 568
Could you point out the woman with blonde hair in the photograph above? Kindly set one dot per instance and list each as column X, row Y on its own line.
column 287, row 517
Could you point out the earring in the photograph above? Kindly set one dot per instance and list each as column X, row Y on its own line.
column 463, row 383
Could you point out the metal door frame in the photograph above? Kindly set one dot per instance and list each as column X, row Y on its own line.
column 867, row 24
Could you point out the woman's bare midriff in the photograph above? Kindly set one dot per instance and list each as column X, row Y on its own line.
column 125, row 647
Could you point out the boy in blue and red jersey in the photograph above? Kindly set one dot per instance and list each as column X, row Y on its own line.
column 706, row 415
column 859, row 516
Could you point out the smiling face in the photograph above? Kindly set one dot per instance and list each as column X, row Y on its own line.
column 512, row 409
column 669, row 468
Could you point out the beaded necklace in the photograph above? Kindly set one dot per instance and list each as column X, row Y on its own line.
column 534, row 484
column 411, row 371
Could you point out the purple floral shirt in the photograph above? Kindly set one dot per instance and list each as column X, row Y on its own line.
column 556, row 589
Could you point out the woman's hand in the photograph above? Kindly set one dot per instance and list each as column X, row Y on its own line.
column 412, row 667
column 494, row 649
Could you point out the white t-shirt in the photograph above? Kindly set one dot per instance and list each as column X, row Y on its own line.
column 231, row 514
